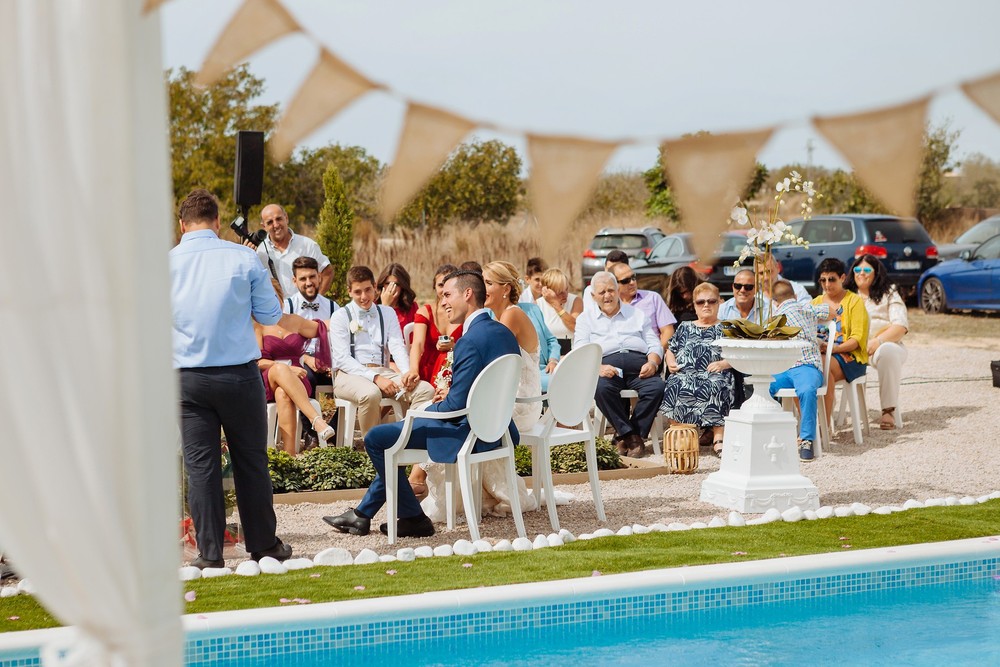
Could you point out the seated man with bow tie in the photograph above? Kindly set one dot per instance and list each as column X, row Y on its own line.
column 308, row 303
column 363, row 338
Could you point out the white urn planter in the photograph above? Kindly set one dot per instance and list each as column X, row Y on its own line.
column 760, row 457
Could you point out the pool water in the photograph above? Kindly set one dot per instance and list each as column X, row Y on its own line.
column 950, row 624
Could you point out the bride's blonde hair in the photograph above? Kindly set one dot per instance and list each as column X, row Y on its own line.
column 504, row 273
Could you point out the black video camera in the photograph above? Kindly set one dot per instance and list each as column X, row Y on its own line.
column 239, row 225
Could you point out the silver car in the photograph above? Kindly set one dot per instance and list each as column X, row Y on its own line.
column 636, row 242
column 970, row 238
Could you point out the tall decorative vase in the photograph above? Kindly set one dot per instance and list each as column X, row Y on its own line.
column 760, row 457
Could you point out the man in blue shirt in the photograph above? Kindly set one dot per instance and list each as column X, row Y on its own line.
column 215, row 288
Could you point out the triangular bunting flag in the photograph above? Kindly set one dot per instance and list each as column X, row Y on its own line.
column 985, row 93
column 563, row 173
column 428, row 136
column 254, row 25
column 707, row 173
column 331, row 86
column 150, row 5
column 885, row 147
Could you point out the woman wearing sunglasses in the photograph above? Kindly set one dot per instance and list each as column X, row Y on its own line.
column 888, row 325
column 848, row 329
column 700, row 385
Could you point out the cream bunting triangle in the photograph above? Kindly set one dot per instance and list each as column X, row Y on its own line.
column 985, row 93
column 563, row 173
column 428, row 136
column 255, row 24
column 150, row 5
column 707, row 174
column 330, row 87
column 885, row 147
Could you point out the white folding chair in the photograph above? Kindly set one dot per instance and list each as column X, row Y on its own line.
column 272, row 425
column 347, row 416
column 852, row 395
column 788, row 402
column 571, row 388
column 489, row 410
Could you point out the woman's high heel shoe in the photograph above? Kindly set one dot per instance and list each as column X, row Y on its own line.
column 326, row 435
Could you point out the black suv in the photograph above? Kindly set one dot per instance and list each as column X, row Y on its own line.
column 633, row 241
column 902, row 244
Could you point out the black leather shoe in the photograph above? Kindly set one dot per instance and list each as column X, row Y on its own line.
column 350, row 522
column 202, row 563
column 280, row 551
column 310, row 441
column 414, row 526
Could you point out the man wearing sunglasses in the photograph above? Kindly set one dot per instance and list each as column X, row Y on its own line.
column 651, row 303
column 744, row 300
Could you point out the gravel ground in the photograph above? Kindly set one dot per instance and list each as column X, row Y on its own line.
column 947, row 447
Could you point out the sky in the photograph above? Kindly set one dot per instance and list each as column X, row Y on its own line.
column 643, row 70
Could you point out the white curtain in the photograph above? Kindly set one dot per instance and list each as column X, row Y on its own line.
column 88, row 445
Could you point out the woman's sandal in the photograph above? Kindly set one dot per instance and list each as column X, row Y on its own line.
column 717, row 448
column 888, row 420
column 327, row 434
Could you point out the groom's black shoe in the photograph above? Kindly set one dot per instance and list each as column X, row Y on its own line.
column 202, row 563
column 414, row 526
column 280, row 551
column 350, row 522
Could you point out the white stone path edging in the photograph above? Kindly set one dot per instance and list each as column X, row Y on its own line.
column 337, row 556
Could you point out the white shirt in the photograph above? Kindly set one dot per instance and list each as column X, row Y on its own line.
column 293, row 305
column 367, row 340
column 628, row 330
column 552, row 319
column 298, row 246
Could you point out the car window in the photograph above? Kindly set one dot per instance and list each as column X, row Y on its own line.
column 618, row 241
column 665, row 248
column 893, row 230
column 828, row 231
column 980, row 232
column 732, row 244
column 990, row 249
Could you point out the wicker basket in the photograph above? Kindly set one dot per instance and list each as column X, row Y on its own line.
column 680, row 448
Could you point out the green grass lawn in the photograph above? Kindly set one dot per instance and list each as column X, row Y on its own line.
column 609, row 555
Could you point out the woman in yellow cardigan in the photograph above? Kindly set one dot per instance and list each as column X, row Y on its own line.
column 849, row 329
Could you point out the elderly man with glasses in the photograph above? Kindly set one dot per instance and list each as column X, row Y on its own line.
column 632, row 353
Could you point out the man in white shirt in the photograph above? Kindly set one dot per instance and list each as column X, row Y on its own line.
column 614, row 257
column 282, row 247
column 307, row 302
column 632, row 353
column 363, row 338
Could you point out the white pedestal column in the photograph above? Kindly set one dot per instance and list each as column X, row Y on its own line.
column 760, row 458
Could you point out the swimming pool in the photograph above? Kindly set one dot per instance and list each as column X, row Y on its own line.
column 919, row 604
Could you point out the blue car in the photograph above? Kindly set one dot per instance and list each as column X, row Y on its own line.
column 971, row 282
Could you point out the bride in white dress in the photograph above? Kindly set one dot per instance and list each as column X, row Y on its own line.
column 502, row 292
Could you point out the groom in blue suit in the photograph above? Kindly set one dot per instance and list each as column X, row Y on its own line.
column 483, row 340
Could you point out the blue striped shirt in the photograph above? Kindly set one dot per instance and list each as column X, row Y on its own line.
column 215, row 285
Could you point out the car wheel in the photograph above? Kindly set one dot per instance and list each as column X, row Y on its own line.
column 932, row 297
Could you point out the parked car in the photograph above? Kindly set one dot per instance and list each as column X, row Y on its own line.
column 634, row 241
column 902, row 244
column 971, row 282
column 674, row 251
column 970, row 238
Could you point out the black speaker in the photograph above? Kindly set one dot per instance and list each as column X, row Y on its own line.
column 249, row 176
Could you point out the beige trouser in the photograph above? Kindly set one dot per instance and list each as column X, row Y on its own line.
column 888, row 360
column 368, row 396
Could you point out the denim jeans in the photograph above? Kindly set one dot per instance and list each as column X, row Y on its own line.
column 805, row 380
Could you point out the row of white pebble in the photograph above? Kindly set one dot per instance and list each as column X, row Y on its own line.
column 337, row 556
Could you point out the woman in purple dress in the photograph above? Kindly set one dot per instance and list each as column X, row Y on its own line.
column 285, row 380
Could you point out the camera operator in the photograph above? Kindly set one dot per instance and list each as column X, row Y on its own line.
column 216, row 287
column 284, row 246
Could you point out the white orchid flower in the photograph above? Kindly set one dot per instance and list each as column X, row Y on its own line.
column 739, row 215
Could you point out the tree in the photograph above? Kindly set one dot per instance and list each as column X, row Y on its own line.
column 481, row 181
column 300, row 181
column 335, row 232
column 203, row 126
column 661, row 199
column 843, row 193
column 933, row 196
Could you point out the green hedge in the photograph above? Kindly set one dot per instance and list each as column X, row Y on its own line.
column 335, row 468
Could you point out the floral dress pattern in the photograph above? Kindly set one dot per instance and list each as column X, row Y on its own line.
column 693, row 395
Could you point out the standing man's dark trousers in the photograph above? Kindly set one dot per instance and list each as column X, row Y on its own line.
column 230, row 398
column 616, row 408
